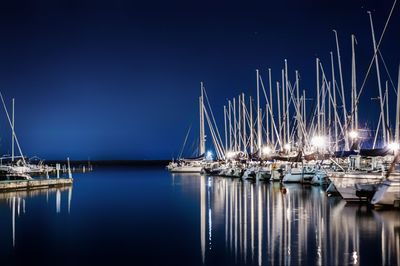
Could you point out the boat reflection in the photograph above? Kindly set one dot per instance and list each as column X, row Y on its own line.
column 267, row 224
column 16, row 200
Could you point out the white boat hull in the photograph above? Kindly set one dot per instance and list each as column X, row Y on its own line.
column 388, row 193
column 186, row 169
column 346, row 184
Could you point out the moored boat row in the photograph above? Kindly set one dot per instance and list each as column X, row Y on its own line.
column 279, row 136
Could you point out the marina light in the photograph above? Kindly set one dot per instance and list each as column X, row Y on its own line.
column 353, row 134
column 394, row 146
column 230, row 154
column 266, row 150
column 287, row 146
column 209, row 155
column 318, row 141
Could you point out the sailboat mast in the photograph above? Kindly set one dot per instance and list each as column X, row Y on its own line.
column 298, row 108
column 334, row 101
column 258, row 115
column 283, row 109
column 13, row 130
column 329, row 115
column 387, row 107
column 287, row 103
column 318, row 103
column 202, row 146
column 271, row 106
column 353, row 84
column 244, row 123
column 397, row 124
column 323, row 97
column 342, row 89
column 378, row 78
column 304, row 111
column 234, row 126
column 230, row 124
column 251, row 127
column 279, row 113
column 267, row 123
column 226, row 130
column 239, row 122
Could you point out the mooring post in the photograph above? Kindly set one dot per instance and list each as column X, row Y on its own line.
column 58, row 170
column 69, row 169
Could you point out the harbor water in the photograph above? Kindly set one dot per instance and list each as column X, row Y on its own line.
column 148, row 216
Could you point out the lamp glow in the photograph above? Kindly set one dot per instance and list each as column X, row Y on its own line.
column 287, row 146
column 209, row 155
column 353, row 134
column 230, row 154
column 266, row 150
column 318, row 141
column 394, row 146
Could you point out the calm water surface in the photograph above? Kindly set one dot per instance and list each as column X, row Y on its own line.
column 128, row 216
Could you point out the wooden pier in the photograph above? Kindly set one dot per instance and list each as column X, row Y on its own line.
column 34, row 183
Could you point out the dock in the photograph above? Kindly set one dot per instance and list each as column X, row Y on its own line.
column 34, row 183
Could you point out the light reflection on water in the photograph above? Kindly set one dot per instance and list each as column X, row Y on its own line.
column 150, row 217
column 16, row 201
column 267, row 224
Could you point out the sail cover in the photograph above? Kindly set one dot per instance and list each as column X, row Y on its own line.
column 198, row 158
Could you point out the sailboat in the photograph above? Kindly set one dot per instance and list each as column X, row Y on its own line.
column 16, row 167
column 193, row 165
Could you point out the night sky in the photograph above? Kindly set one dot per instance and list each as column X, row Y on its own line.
column 120, row 79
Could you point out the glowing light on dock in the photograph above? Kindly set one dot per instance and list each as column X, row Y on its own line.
column 266, row 150
column 394, row 146
column 353, row 134
column 230, row 154
column 287, row 147
column 318, row 141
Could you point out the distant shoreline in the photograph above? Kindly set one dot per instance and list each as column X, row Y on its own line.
column 134, row 163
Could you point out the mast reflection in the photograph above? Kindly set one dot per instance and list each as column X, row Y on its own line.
column 267, row 224
column 16, row 200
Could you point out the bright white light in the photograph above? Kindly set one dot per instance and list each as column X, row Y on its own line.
column 266, row 150
column 353, row 134
column 287, row 146
column 209, row 155
column 394, row 146
column 318, row 141
column 230, row 154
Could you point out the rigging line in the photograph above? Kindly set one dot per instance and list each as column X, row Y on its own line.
column 387, row 71
column 324, row 80
column 184, row 142
column 377, row 48
column 212, row 116
column 12, row 128
column 297, row 117
column 217, row 147
column 269, row 106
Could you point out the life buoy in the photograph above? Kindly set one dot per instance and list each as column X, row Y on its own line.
column 309, row 169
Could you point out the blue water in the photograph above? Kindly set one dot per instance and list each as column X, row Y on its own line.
column 134, row 216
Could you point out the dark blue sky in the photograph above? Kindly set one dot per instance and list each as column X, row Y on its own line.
column 120, row 79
